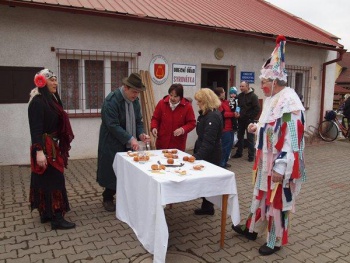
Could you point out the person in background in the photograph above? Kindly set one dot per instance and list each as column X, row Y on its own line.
column 278, row 171
column 227, row 132
column 249, row 109
column 209, row 130
column 120, row 128
column 51, row 135
column 346, row 110
column 173, row 118
column 233, row 103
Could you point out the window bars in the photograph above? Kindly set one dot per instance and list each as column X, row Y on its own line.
column 299, row 78
column 86, row 77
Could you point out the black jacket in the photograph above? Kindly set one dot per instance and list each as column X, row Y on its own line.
column 249, row 104
column 208, row 145
column 346, row 110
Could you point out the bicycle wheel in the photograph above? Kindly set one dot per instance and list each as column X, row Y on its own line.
column 328, row 131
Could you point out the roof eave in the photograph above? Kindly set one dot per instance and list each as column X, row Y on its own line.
column 143, row 18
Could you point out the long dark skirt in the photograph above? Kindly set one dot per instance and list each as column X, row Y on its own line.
column 48, row 193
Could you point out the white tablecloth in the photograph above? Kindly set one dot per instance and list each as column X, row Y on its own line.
column 143, row 193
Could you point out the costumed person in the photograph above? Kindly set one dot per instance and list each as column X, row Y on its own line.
column 227, row 132
column 173, row 118
column 209, row 129
column 121, row 126
column 278, row 170
column 51, row 135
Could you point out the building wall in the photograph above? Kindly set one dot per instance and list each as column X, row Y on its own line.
column 30, row 33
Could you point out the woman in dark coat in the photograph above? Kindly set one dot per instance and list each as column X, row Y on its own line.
column 209, row 130
column 51, row 135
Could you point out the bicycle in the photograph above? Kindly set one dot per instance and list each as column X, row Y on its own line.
column 329, row 129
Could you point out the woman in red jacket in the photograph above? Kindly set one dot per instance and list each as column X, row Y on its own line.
column 227, row 132
column 172, row 120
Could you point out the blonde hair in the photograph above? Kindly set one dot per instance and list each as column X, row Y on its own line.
column 346, row 96
column 208, row 98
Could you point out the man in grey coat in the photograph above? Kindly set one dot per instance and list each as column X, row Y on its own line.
column 121, row 126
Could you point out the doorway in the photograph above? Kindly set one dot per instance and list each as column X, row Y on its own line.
column 212, row 77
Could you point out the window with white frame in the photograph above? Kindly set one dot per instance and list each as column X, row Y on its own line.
column 87, row 76
column 299, row 78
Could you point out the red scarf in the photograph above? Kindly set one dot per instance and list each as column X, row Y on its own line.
column 65, row 133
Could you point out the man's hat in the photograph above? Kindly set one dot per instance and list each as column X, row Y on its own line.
column 134, row 81
column 274, row 67
column 233, row 90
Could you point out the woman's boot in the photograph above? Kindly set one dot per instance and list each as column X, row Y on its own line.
column 207, row 208
column 58, row 222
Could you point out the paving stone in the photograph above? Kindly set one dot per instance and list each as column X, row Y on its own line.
column 24, row 252
column 70, row 243
column 24, row 259
column 41, row 256
column 85, row 247
column 38, row 242
column 90, row 239
column 321, row 259
column 80, row 256
column 63, row 237
column 115, row 257
column 120, row 247
column 22, row 245
column 63, row 251
column 99, row 252
column 139, row 250
column 104, row 243
column 54, row 246
column 26, row 237
column 62, row 259
column 343, row 249
column 8, row 255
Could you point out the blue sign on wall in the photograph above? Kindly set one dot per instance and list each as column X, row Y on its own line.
column 248, row 76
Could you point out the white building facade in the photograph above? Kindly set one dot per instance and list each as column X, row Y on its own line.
column 35, row 37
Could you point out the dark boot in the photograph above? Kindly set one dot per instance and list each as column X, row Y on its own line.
column 109, row 206
column 266, row 251
column 207, row 208
column 243, row 230
column 108, row 197
column 45, row 219
column 58, row 222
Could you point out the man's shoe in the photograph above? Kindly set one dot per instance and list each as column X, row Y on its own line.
column 237, row 156
column 228, row 165
column 250, row 159
column 109, row 206
column 201, row 211
column 239, row 229
column 265, row 250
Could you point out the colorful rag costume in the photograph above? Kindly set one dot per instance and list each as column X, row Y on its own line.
column 279, row 147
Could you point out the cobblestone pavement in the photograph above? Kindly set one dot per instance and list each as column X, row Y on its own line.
column 320, row 230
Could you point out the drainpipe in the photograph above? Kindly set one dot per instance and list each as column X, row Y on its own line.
column 324, row 69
